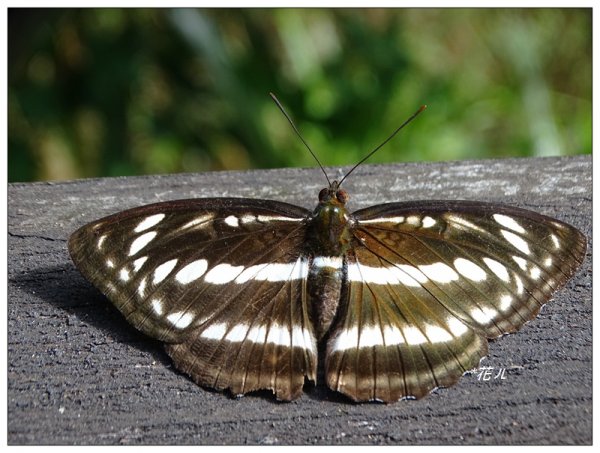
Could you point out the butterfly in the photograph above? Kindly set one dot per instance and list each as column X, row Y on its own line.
column 391, row 301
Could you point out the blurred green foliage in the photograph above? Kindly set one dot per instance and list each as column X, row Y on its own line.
column 96, row 92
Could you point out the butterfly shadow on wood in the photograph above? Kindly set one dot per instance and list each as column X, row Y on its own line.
column 85, row 307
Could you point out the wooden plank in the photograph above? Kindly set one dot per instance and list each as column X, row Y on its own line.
column 79, row 374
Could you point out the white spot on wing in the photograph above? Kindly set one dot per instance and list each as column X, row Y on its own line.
column 428, row 222
column 298, row 338
column 302, row 338
column 535, row 272
column 309, row 340
column 124, row 275
column 161, row 272
column 457, row 220
column 274, row 272
column 439, row 272
column 223, row 273
column 483, row 315
column 505, row 302
column 413, row 272
column 232, row 221
column 334, row 262
column 257, row 334
column 109, row 263
column 457, row 328
column 279, row 335
column 198, row 221
column 398, row 219
column 140, row 242
column 181, row 320
column 469, row 269
column 238, row 333
column 215, row 331
column 414, row 336
column 300, row 272
column 157, row 306
column 509, row 223
column 436, row 334
column 370, row 336
column 392, row 336
column 555, row 241
column 274, row 218
column 413, row 220
column 137, row 264
column 379, row 275
column 142, row 287
column 346, row 339
column 149, row 222
column 497, row 268
column 519, row 284
column 516, row 241
column 192, row 271
column 521, row 262
column 101, row 241
column 548, row 261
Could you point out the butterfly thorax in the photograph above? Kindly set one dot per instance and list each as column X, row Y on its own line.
column 330, row 237
column 330, row 224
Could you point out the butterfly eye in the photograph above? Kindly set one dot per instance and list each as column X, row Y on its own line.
column 342, row 196
column 324, row 194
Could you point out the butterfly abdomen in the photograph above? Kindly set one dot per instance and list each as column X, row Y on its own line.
column 324, row 286
column 330, row 236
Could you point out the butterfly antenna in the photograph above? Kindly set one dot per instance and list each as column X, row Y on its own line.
column 413, row 116
column 298, row 134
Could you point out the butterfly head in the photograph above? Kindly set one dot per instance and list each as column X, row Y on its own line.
column 333, row 195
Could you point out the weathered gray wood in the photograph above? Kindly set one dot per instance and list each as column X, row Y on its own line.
column 79, row 374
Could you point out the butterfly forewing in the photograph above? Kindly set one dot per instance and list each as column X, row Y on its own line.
column 223, row 281
column 427, row 282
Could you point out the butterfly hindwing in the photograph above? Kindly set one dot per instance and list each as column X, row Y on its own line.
column 210, row 278
column 259, row 338
column 427, row 282
column 395, row 340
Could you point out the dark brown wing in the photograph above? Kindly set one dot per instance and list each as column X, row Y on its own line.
column 427, row 282
column 222, row 281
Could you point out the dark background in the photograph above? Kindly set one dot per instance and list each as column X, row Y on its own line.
column 105, row 92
